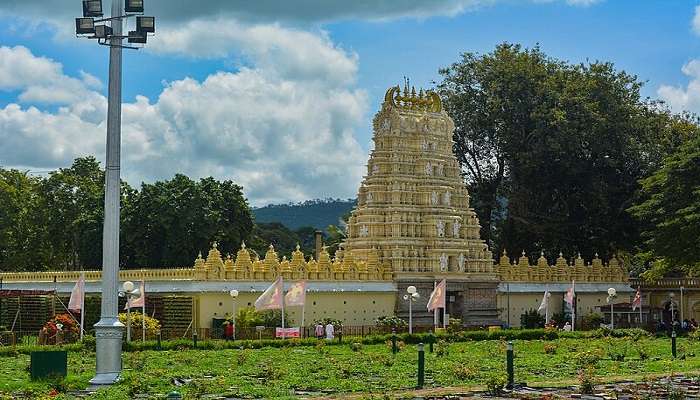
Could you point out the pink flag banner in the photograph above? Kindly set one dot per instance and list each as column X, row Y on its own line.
column 637, row 302
column 569, row 296
column 296, row 295
column 272, row 298
column 287, row 332
column 437, row 297
column 77, row 295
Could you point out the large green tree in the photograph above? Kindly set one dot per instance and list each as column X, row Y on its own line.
column 669, row 210
column 168, row 222
column 71, row 208
column 552, row 152
column 21, row 231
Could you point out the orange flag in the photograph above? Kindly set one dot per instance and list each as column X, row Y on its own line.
column 437, row 298
column 296, row 295
column 272, row 298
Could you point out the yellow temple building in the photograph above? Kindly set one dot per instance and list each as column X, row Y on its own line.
column 413, row 225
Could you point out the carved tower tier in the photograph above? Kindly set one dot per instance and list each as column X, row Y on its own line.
column 413, row 208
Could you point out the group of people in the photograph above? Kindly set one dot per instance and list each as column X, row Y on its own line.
column 687, row 325
column 327, row 332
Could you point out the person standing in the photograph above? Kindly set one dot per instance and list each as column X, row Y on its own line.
column 330, row 331
column 319, row 331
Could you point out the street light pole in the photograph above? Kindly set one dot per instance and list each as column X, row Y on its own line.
column 612, row 293
column 410, row 315
column 412, row 296
column 108, row 330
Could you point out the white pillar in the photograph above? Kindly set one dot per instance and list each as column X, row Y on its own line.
column 109, row 331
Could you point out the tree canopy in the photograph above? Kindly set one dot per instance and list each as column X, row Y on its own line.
column 669, row 209
column 552, row 152
column 56, row 222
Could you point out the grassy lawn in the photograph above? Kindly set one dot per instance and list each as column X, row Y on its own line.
column 279, row 372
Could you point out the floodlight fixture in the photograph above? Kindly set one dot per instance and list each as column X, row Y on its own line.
column 92, row 8
column 411, row 289
column 137, row 37
column 612, row 292
column 146, row 24
column 84, row 26
column 128, row 286
column 133, row 6
column 416, row 296
column 234, row 293
column 103, row 31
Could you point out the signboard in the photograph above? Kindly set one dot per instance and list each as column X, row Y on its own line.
column 287, row 332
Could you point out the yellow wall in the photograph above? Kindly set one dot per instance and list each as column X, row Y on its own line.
column 351, row 308
column 586, row 303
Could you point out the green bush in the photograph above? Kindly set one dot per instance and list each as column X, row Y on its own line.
column 391, row 322
column 495, row 384
column 89, row 343
column 531, row 319
column 592, row 320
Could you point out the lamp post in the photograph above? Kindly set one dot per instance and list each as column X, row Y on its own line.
column 412, row 296
column 130, row 293
column 109, row 32
column 612, row 293
column 234, row 294
column 681, row 306
column 672, row 304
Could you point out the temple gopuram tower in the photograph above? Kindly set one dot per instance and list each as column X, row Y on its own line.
column 413, row 211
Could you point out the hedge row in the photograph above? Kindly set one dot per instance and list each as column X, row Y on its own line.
column 88, row 344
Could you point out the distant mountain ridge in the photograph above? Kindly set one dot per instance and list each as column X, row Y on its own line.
column 318, row 213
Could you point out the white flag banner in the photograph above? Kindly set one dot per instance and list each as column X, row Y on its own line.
column 545, row 300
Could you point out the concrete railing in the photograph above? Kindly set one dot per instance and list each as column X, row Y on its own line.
column 667, row 283
column 94, row 276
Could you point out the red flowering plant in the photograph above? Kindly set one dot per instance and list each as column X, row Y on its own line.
column 62, row 322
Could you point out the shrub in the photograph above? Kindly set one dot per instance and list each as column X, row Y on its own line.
column 390, row 322
column 617, row 351
column 463, row 372
column 495, row 384
column 356, row 347
column 592, row 320
column 152, row 324
column 586, row 380
column 531, row 319
column 442, row 348
column 550, row 348
column 321, row 347
column 587, row 359
column 454, row 325
column 89, row 342
column 642, row 352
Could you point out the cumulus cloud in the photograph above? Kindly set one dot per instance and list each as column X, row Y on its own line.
column 287, row 53
column 695, row 24
column 684, row 98
column 41, row 80
column 283, row 132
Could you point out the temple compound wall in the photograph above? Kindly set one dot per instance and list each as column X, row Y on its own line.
column 413, row 225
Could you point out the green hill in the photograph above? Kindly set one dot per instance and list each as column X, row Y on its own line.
column 317, row 213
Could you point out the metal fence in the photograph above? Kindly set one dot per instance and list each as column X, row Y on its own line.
column 35, row 338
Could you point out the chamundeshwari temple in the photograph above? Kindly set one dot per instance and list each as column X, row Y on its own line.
column 412, row 226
